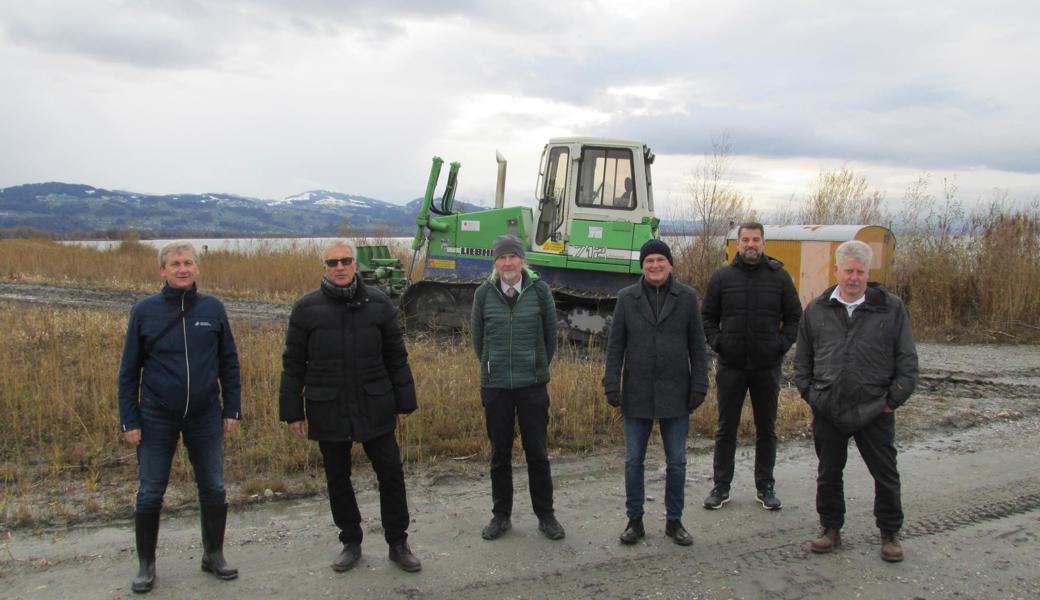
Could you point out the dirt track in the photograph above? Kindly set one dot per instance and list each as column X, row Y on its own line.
column 971, row 485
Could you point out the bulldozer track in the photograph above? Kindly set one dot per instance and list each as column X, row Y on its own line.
column 769, row 549
column 981, row 385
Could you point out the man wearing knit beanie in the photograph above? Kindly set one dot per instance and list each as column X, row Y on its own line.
column 513, row 331
column 655, row 247
column 508, row 244
column 657, row 370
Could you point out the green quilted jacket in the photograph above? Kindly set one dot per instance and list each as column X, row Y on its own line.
column 514, row 344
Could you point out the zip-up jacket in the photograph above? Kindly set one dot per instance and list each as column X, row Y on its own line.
column 849, row 369
column 345, row 366
column 751, row 313
column 514, row 344
column 192, row 366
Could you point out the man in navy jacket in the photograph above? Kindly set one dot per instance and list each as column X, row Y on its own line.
column 179, row 378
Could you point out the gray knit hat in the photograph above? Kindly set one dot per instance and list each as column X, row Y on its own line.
column 655, row 247
column 508, row 244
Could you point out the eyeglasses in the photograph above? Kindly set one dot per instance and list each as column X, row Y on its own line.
column 346, row 261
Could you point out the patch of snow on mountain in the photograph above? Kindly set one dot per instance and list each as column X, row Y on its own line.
column 332, row 202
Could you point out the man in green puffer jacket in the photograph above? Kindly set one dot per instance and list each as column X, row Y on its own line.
column 513, row 329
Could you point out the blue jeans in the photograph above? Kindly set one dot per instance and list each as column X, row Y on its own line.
column 203, row 435
column 673, row 436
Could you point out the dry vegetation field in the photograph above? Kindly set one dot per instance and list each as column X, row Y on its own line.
column 59, row 366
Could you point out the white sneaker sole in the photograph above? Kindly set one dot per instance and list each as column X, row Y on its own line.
column 721, row 504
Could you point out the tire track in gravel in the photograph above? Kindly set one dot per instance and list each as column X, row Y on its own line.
column 763, row 550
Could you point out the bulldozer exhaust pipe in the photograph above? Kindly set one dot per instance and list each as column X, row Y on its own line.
column 500, row 189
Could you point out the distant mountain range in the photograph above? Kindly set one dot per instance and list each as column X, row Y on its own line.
column 74, row 209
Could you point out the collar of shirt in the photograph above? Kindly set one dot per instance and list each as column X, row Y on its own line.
column 849, row 306
column 505, row 287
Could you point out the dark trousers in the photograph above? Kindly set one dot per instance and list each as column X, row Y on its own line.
column 732, row 385
column 502, row 410
column 203, row 434
column 876, row 443
column 385, row 456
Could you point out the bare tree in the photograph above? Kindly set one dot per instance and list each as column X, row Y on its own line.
column 841, row 197
column 714, row 203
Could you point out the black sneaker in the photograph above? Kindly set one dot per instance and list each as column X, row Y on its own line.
column 496, row 528
column 768, row 499
column 716, row 498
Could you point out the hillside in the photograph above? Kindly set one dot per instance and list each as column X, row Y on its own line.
column 67, row 209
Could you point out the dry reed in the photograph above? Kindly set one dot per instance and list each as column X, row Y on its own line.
column 60, row 365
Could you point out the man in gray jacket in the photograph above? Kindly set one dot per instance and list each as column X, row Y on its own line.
column 657, row 369
column 855, row 364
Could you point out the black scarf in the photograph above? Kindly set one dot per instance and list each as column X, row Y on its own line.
column 345, row 292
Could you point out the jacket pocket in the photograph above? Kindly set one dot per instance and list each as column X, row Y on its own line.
column 322, row 410
column 819, row 391
column 379, row 401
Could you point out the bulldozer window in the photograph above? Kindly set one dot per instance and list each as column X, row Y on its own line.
column 606, row 179
column 551, row 216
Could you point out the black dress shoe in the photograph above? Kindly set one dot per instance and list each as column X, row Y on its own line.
column 551, row 528
column 633, row 531
column 348, row 557
column 496, row 528
column 401, row 554
column 674, row 529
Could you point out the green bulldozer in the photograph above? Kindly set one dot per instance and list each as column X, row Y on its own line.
column 595, row 210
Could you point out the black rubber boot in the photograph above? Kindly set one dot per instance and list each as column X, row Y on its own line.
column 146, row 532
column 214, row 518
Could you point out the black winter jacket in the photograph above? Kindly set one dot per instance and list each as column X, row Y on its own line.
column 345, row 366
column 751, row 313
column 849, row 369
column 656, row 363
column 190, row 368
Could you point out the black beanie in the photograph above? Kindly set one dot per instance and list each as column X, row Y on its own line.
column 655, row 247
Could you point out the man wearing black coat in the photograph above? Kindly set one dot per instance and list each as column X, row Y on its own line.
column 657, row 370
column 345, row 370
column 751, row 311
column 856, row 363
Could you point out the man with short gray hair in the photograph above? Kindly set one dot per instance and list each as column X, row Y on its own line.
column 179, row 378
column 855, row 364
column 346, row 380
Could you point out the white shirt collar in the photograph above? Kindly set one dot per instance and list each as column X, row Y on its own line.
column 505, row 286
column 849, row 306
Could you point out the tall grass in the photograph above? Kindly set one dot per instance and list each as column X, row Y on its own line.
column 61, row 434
column 969, row 274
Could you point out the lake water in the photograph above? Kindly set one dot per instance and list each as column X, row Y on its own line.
column 247, row 245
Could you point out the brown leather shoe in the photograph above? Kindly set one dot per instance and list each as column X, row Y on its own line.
column 401, row 554
column 348, row 557
column 829, row 540
column 891, row 551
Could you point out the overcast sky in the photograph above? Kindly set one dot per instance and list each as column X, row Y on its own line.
column 269, row 98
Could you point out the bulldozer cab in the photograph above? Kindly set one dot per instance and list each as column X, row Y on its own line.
column 591, row 194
